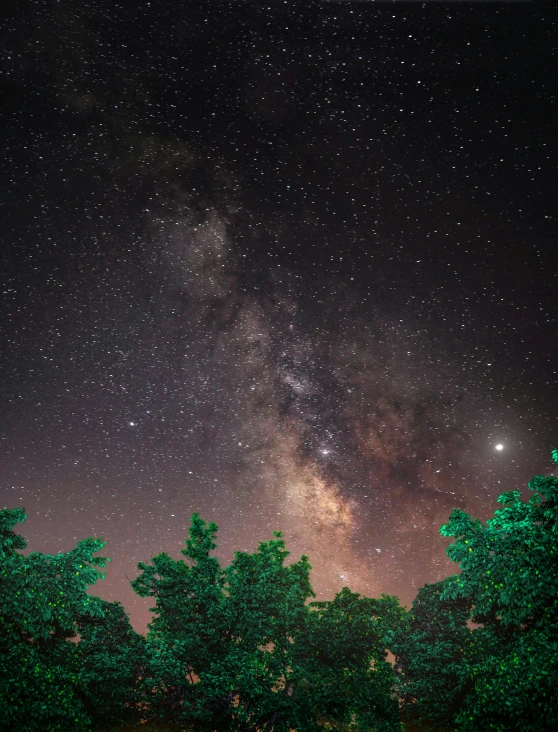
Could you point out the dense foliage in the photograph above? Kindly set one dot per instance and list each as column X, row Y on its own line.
column 42, row 597
column 502, row 675
column 255, row 655
column 242, row 648
column 429, row 659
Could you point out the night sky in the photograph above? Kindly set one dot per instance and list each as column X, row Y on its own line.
column 288, row 265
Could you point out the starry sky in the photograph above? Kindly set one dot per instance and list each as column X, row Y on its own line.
column 288, row 265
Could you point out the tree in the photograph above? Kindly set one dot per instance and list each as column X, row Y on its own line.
column 42, row 599
column 266, row 615
column 188, row 635
column 504, row 674
column 509, row 574
column 348, row 682
column 220, row 644
column 239, row 649
column 430, row 664
column 109, row 664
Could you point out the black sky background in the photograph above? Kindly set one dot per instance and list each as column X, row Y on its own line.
column 288, row 265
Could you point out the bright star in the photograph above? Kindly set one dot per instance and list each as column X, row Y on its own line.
column 499, row 447
column 132, row 424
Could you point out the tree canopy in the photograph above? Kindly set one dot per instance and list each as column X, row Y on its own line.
column 42, row 600
column 244, row 647
column 429, row 658
column 256, row 656
column 504, row 674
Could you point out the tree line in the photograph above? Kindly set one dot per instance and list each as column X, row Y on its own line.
column 241, row 648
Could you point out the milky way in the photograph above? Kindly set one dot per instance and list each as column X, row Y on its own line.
column 295, row 311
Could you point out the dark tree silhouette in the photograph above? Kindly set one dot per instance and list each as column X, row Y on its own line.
column 432, row 673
